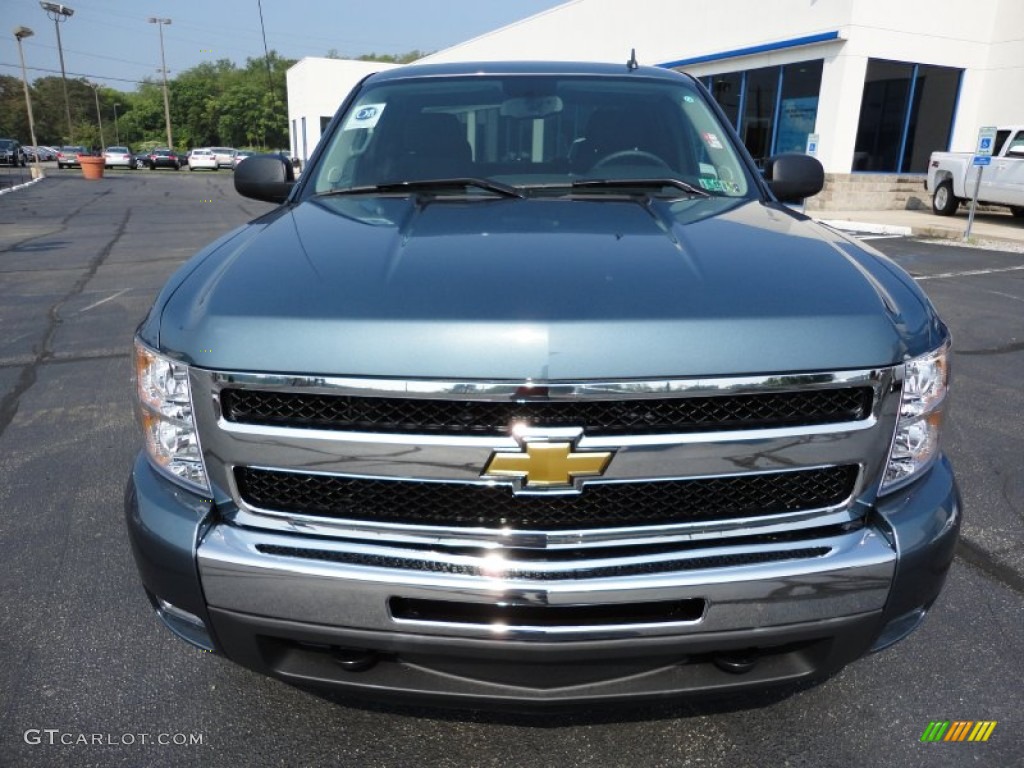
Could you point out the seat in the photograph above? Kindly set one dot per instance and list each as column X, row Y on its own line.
column 609, row 131
column 433, row 146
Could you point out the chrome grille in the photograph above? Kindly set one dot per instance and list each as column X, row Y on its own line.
column 646, row 416
column 600, row 505
column 517, row 570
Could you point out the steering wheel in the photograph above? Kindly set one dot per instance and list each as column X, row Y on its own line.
column 646, row 158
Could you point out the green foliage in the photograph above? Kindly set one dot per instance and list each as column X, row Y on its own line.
column 395, row 58
column 213, row 104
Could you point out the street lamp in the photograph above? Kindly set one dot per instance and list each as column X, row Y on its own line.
column 117, row 135
column 60, row 13
column 20, row 33
column 163, row 70
column 99, row 117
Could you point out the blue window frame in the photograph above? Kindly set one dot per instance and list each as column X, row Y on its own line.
column 774, row 109
column 906, row 113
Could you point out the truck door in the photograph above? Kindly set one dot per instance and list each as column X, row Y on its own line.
column 1003, row 181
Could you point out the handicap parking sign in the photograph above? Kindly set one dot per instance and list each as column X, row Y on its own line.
column 986, row 140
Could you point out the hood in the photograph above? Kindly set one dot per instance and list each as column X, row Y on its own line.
column 543, row 289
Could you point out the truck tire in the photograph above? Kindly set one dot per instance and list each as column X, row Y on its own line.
column 944, row 202
column 1017, row 211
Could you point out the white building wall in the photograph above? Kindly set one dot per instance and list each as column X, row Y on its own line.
column 316, row 88
column 660, row 30
column 1000, row 100
column 984, row 37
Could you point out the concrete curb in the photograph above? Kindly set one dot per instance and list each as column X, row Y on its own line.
column 866, row 228
column 22, row 186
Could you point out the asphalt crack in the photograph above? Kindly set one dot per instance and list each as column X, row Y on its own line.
column 11, row 401
column 1003, row 350
column 60, row 228
column 974, row 555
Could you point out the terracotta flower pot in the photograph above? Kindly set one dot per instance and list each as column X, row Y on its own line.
column 92, row 167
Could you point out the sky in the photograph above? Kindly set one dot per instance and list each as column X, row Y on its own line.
column 110, row 41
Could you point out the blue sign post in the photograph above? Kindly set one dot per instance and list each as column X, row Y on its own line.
column 982, row 157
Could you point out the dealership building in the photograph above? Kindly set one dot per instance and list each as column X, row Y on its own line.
column 875, row 85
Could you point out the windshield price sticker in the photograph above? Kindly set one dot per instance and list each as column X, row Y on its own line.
column 365, row 116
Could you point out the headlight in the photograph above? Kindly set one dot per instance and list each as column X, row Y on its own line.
column 165, row 415
column 916, row 442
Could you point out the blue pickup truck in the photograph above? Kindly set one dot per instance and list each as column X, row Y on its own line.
column 533, row 392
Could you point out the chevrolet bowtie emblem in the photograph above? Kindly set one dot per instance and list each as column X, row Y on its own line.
column 545, row 464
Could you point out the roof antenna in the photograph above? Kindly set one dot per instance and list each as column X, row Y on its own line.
column 632, row 63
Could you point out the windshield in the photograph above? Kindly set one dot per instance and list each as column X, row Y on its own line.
column 535, row 133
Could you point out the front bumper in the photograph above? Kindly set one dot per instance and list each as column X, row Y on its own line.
column 321, row 612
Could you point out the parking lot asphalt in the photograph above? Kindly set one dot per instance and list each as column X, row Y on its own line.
column 90, row 678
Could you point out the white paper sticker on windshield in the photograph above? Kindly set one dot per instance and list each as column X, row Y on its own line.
column 365, row 116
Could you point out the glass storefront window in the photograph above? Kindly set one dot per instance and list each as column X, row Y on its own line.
column 931, row 118
column 759, row 111
column 906, row 113
column 883, row 110
column 798, row 108
column 766, row 123
column 727, row 90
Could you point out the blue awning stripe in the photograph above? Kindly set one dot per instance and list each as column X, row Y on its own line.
column 795, row 42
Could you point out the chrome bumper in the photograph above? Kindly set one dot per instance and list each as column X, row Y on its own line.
column 314, row 584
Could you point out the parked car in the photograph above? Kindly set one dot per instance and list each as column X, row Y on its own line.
column 118, row 157
column 240, row 155
column 163, row 158
column 202, row 158
column 295, row 163
column 952, row 176
column 37, row 154
column 67, row 156
column 571, row 410
column 10, row 152
column 225, row 156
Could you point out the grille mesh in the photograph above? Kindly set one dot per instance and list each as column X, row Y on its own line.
column 596, row 417
column 598, row 506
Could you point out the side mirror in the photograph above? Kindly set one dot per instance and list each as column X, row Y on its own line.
column 265, row 177
column 793, row 177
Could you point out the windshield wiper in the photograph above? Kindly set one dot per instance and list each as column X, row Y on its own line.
column 641, row 184
column 428, row 185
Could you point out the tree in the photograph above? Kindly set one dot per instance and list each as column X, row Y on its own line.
column 212, row 104
column 395, row 58
column 13, row 116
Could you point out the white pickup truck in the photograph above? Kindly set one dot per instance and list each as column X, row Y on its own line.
column 951, row 176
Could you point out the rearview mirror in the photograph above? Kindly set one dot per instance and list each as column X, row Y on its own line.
column 793, row 177
column 265, row 177
column 531, row 106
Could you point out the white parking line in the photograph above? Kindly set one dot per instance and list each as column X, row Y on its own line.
column 969, row 273
column 103, row 301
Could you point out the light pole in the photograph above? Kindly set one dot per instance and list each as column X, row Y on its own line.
column 99, row 117
column 60, row 13
column 20, row 33
column 117, row 135
column 163, row 70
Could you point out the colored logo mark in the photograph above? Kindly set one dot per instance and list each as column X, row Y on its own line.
column 958, row 730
